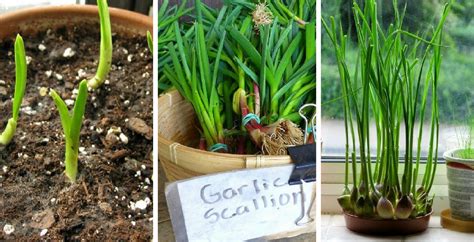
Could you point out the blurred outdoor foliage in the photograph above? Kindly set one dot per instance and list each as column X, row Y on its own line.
column 456, row 87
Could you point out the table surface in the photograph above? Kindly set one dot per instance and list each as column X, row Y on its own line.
column 333, row 228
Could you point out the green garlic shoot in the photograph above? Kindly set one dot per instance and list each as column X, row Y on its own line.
column 105, row 59
column 72, row 123
column 149, row 39
column 20, row 86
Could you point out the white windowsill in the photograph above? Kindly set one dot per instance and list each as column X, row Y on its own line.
column 333, row 228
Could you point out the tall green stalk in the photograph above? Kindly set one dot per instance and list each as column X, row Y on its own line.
column 195, row 73
column 226, row 56
column 167, row 16
column 105, row 59
column 20, row 86
column 388, row 86
column 149, row 39
column 283, row 68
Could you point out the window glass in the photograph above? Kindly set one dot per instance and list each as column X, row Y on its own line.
column 456, row 86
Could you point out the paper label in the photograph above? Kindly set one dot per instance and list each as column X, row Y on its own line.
column 239, row 205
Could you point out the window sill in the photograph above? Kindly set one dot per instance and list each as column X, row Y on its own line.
column 333, row 228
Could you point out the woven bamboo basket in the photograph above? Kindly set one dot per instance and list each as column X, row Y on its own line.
column 177, row 134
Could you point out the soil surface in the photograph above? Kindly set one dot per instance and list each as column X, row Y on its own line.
column 112, row 197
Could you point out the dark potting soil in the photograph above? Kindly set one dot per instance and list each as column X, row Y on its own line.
column 112, row 197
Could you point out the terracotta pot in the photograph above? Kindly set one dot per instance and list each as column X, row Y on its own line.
column 387, row 226
column 29, row 21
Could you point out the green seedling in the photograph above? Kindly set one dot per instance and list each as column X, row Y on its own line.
column 466, row 141
column 20, row 85
column 105, row 59
column 394, row 84
column 72, row 123
column 149, row 39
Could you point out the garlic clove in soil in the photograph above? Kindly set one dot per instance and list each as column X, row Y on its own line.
column 362, row 188
column 375, row 196
column 345, row 202
column 392, row 195
column 345, row 199
column 421, row 194
column 369, row 207
column 359, row 207
column 404, row 207
column 385, row 208
column 379, row 187
column 354, row 195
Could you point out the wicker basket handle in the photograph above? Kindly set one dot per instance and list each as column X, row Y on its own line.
column 173, row 153
column 258, row 161
column 255, row 161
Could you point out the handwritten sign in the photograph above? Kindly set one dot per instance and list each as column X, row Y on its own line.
column 240, row 205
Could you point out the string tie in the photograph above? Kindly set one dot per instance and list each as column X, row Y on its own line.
column 218, row 146
column 249, row 117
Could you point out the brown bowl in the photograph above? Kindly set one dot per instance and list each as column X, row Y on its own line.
column 387, row 226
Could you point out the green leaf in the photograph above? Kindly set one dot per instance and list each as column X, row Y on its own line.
column 285, row 60
column 247, row 70
column 214, row 96
column 246, row 45
column 105, row 59
column 162, row 8
column 178, row 70
column 182, row 53
column 287, row 87
column 63, row 112
column 78, row 112
column 21, row 73
column 149, row 40
column 310, row 40
column 283, row 36
column 204, row 68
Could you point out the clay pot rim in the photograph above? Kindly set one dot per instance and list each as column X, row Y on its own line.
column 398, row 220
column 12, row 21
column 73, row 8
column 450, row 157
